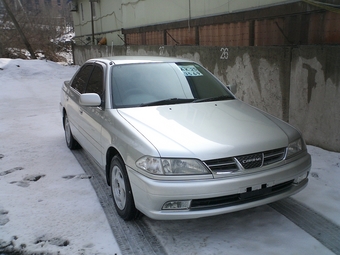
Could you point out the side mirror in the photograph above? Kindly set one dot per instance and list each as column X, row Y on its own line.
column 90, row 99
column 232, row 88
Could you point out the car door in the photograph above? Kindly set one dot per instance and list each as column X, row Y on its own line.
column 91, row 117
column 78, row 86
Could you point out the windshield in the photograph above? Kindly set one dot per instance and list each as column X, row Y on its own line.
column 164, row 83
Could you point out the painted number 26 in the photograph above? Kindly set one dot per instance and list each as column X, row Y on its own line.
column 225, row 53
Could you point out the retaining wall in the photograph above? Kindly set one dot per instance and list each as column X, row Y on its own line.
column 300, row 85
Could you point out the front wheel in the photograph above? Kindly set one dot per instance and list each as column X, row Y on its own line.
column 121, row 190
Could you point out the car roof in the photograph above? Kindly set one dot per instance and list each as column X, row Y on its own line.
column 120, row 60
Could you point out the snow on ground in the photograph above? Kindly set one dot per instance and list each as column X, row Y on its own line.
column 47, row 204
column 323, row 191
column 46, row 201
column 256, row 231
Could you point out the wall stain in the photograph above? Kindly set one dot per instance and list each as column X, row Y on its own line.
column 310, row 80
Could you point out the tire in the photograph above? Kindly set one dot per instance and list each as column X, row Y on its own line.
column 71, row 143
column 121, row 190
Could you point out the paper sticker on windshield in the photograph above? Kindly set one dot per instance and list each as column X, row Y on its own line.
column 190, row 71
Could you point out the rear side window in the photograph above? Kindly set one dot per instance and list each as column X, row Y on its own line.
column 95, row 84
column 80, row 81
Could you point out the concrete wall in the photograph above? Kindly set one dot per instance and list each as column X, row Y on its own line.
column 299, row 85
column 315, row 95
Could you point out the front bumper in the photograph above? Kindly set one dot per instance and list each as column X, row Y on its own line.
column 150, row 195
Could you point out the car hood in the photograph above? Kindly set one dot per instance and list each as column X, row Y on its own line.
column 208, row 130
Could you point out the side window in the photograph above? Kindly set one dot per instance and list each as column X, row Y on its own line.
column 95, row 84
column 79, row 82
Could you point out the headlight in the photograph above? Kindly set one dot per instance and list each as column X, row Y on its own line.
column 183, row 166
column 164, row 166
column 295, row 147
column 150, row 164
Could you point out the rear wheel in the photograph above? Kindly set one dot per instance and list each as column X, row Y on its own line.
column 71, row 143
column 121, row 190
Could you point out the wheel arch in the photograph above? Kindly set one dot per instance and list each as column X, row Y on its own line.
column 111, row 152
column 63, row 117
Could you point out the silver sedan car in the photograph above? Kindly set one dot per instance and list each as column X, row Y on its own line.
column 175, row 143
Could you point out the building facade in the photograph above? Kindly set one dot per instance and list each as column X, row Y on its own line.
column 206, row 22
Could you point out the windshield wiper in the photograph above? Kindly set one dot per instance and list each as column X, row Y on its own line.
column 174, row 100
column 209, row 99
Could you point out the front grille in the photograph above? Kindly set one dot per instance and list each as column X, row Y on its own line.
column 249, row 196
column 249, row 161
column 274, row 156
column 222, row 165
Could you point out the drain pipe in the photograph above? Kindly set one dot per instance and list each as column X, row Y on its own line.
column 92, row 22
column 189, row 14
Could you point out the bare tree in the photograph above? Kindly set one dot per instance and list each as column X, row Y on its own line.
column 43, row 27
column 21, row 33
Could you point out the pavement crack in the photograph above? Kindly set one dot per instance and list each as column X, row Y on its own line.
column 57, row 241
column 34, row 178
column 26, row 181
column 3, row 217
column 11, row 171
column 79, row 176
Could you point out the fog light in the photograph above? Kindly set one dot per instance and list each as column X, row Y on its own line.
column 176, row 205
column 301, row 178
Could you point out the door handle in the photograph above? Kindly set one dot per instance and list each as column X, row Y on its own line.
column 81, row 111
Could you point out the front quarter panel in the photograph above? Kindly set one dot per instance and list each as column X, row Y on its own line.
column 130, row 144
